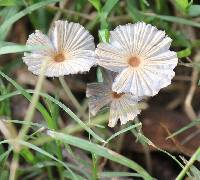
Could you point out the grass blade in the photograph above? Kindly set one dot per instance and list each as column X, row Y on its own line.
column 101, row 151
column 123, row 131
column 108, row 7
column 5, row 14
column 16, row 48
column 191, row 124
column 24, row 12
column 44, row 111
column 96, row 4
column 174, row 19
column 70, row 113
column 77, row 128
column 195, row 156
column 118, row 174
column 24, row 122
column 31, row 146
column 39, row 106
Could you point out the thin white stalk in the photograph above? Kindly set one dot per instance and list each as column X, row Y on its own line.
column 13, row 167
column 72, row 97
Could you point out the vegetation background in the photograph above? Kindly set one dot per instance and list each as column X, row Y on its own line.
column 59, row 140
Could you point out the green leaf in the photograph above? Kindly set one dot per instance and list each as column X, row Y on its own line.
column 16, row 17
column 184, row 53
column 195, row 171
column 4, row 158
column 94, row 166
column 182, row 4
column 108, row 7
column 104, row 35
column 105, row 11
column 145, row 2
column 118, row 174
column 133, row 11
column 5, row 15
column 194, row 10
column 99, row 150
column 15, row 48
column 5, row 155
column 5, row 108
column 10, row 2
column 96, row 4
column 40, row 19
column 123, row 131
column 173, row 19
column 194, row 158
column 30, row 158
column 4, row 43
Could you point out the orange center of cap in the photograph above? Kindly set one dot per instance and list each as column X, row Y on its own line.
column 134, row 61
column 59, row 57
column 117, row 96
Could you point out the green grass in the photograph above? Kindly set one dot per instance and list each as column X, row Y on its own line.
column 48, row 149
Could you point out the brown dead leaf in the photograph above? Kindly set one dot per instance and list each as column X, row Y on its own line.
column 158, row 123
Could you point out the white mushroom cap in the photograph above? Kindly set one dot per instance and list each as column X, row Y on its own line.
column 69, row 50
column 123, row 106
column 141, row 56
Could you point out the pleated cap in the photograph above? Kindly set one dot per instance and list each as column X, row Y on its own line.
column 123, row 106
column 140, row 54
column 69, row 49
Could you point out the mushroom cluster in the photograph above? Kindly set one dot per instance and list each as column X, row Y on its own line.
column 137, row 60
